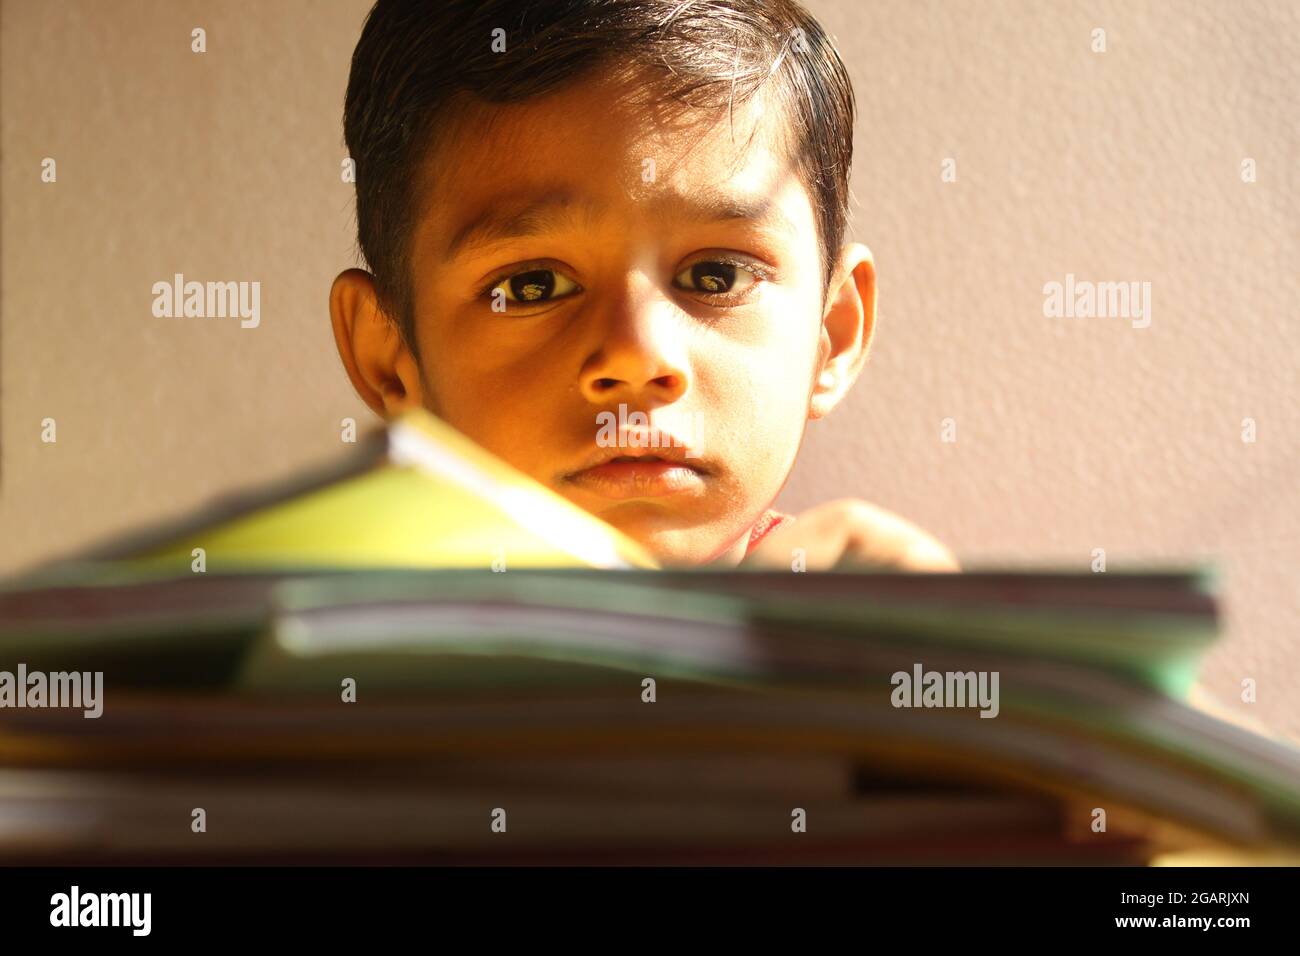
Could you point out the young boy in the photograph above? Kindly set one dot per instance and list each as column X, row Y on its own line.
column 585, row 212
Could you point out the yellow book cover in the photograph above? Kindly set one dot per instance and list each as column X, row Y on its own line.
column 418, row 495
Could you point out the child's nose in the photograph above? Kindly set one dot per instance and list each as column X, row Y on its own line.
column 641, row 357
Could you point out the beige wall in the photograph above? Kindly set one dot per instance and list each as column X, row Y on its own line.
column 1072, row 434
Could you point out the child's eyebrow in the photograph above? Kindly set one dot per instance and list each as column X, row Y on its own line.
column 504, row 218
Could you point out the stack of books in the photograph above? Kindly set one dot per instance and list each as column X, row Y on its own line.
column 421, row 656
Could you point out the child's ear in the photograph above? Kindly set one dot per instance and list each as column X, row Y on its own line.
column 382, row 369
column 847, row 327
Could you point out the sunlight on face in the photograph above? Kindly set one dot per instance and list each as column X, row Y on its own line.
column 585, row 256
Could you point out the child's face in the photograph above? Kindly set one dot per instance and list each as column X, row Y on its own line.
column 663, row 263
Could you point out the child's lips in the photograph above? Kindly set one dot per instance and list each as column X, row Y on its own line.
column 643, row 476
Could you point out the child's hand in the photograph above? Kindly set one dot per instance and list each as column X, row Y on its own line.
column 852, row 533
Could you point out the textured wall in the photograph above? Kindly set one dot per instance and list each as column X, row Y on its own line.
column 1071, row 434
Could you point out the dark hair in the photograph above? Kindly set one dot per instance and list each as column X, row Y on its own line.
column 416, row 59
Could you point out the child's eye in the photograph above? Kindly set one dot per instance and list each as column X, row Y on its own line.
column 722, row 278
column 534, row 285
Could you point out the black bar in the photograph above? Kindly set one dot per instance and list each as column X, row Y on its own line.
column 330, row 905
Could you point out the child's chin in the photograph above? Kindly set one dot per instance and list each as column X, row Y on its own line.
column 680, row 547
column 681, row 556
column 673, row 535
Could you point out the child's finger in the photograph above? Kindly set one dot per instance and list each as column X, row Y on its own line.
column 852, row 533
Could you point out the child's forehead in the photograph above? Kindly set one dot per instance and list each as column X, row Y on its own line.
column 612, row 137
column 588, row 149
